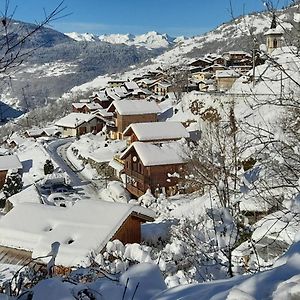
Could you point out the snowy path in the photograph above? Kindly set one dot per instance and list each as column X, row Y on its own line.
column 57, row 151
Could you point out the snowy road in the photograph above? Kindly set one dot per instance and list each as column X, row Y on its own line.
column 53, row 150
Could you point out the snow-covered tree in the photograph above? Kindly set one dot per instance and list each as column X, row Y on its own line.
column 13, row 183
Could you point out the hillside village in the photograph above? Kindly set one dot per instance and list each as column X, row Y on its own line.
column 121, row 181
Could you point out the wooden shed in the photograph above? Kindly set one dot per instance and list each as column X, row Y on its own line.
column 82, row 230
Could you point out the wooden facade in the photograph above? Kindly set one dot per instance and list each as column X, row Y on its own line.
column 130, row 231
column 123, row 121
column 140, row 178
column 2, row 177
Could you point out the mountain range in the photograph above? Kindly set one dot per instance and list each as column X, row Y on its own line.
column 149, row 40
column 64, row 61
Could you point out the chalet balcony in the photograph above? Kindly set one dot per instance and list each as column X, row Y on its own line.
column 137, row 176
column 134, row 190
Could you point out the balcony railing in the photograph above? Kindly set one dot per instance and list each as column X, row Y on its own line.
column 137, row 176
column 134, row 190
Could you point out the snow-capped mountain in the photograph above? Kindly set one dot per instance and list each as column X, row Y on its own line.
column 150, row 40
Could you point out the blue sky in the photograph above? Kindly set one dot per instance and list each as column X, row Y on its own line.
column 175, row 17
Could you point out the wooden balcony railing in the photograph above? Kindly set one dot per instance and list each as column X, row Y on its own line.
column 137, row 176
column 134, row 190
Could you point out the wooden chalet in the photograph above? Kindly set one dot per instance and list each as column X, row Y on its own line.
column 85, row 108
column 236, row 58
column 42, row 132
column 101, row 99
column 213, row 68
column 161, row 88
column 155, row 132
column 127, row 112
column 97, row 222
column 9, row 162
column 149, row 166
column 200, row 62
column 115, row 83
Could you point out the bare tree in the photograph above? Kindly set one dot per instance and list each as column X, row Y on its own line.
column 12, row 50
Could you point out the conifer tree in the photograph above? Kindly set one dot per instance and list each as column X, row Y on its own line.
column 13, row 184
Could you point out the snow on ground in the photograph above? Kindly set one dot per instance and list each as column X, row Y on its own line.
column 7, row 271
column 97, row 147
column 33, row 157
column 50, row 69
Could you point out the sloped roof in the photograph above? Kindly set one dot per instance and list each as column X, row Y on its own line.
column 227, row 73
column 9, row 162
column 74, row 120
column 154, row 155
column 131, row 85
column 81, row 229
column 153, row 131
column 134, row 107
column 275, row 31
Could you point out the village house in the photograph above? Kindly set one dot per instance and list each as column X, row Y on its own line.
column 101, row 98
column 236, row 58
column 201, row 76
column 43, row 132
column 218, row 60
column 155, row 132
column 15, row 140
column 207, row 85
column 9, row 162
column 200, row 63
column 225, row 79
column 154, row 167
column 96, row 222
column 131, row 86
column 145, row 83
column 115, row 83
column 76, row 124
column 85, row 108
column 141, row 93
column 214, row 68
column 127, row 112
column 161, row 88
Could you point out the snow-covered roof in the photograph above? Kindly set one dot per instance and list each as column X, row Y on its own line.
column 111, row 94
column 141, row 91
column 164, row 84
column 34, row 132
column 51, row 130
column 116, row 165
column 74, row 120
column 154, row 155
column 236, row 52
column 275, row 31
column 103, row 113
column 78, row 105
column 9, row 162
column 131, row 85
column 100, row 95
column 81, row 229
column 226, row 73
column 16, row 138
column 30, row 194
column 147, row 81
column 134, row 107
column 153, row 131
